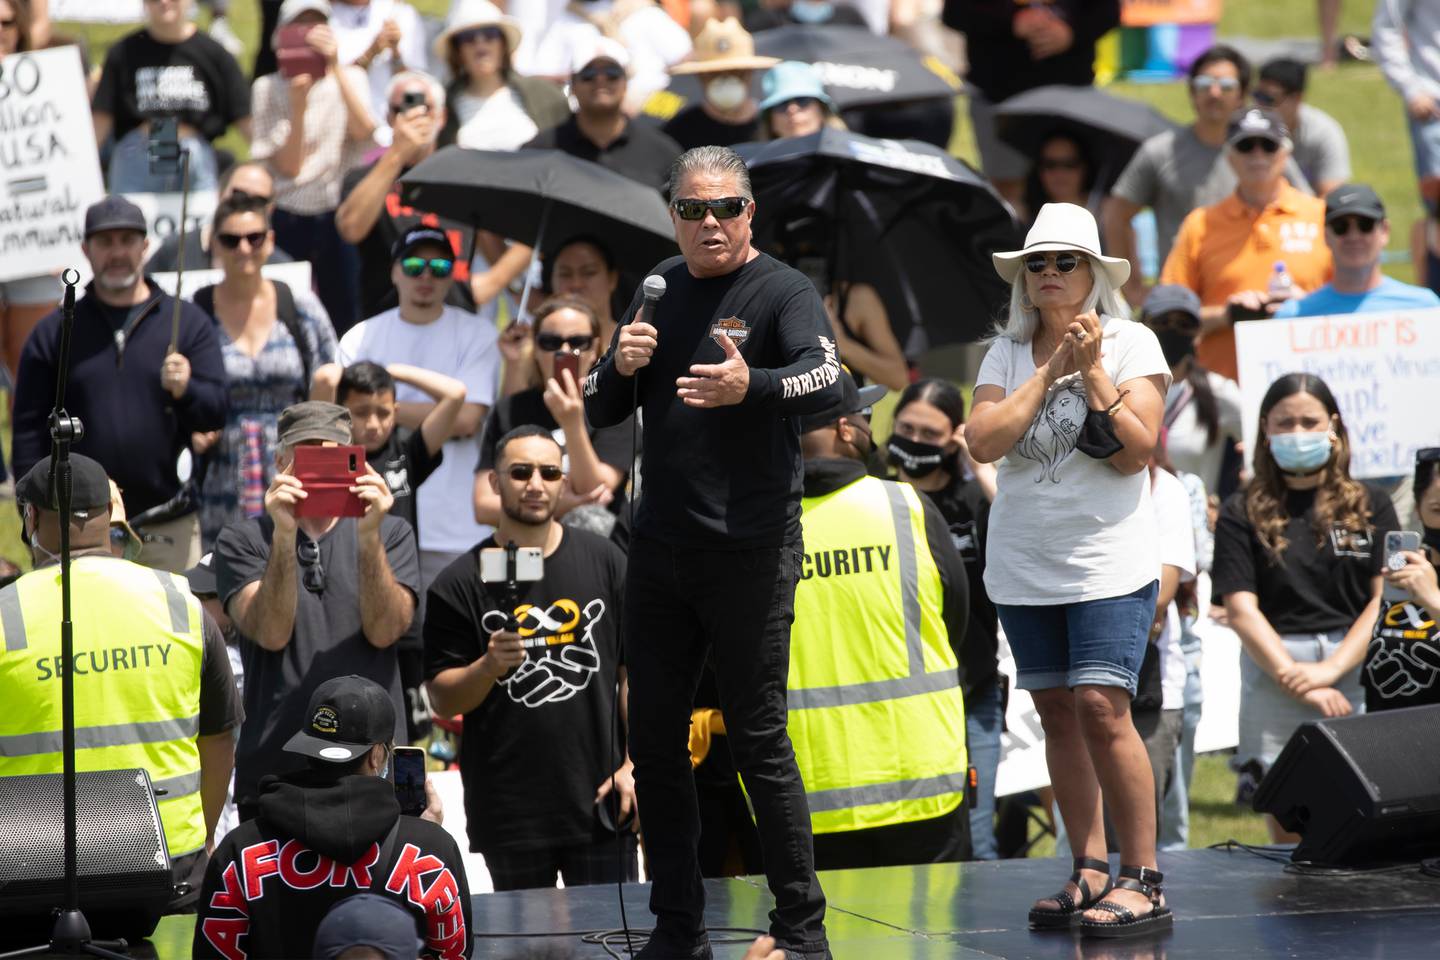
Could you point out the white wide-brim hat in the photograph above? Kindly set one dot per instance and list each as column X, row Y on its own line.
column 477, row 13
column 1062, row 227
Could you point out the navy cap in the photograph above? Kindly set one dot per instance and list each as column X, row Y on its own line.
column 1353, row 199
column 346, row 717
column 368, row 920
column 202, row 577
column 1171, row 298
column 852, row 400
column 113, row 213
column 420, row 235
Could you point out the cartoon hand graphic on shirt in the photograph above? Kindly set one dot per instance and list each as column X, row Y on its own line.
column 560, row 646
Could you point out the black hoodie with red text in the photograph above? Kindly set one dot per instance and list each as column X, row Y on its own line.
column 316, row 842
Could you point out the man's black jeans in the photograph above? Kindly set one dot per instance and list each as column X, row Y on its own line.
column 680, row 604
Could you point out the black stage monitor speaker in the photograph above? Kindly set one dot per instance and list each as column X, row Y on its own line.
column 1360, row 790
column 122, row 861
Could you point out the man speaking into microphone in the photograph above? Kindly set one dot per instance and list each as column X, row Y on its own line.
column 738, row 348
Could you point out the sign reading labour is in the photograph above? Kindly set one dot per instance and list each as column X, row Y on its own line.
column 49, row 168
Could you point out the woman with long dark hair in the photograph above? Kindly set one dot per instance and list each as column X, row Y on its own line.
column 927, row 447
column 1297, row 561
column 1402, row 665
column 1063, row 172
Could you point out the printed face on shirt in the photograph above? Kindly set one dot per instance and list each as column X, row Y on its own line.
column 712, row 247
column 115, row 258
column 526, row 497
column 426, row 290
column 372, row 419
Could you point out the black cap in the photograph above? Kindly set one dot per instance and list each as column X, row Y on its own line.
column 1171, row 298
column 113, row 213
column 346, row 717
column 852, row 400
column 1353, row 198
column 1256, row 122
column 202, row 577
column 368, row 920
column 420, row 235
column 89, row 486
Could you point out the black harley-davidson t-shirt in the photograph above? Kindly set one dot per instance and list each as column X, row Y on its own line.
column 541, row 743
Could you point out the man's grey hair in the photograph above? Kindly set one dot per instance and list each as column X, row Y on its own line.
column 713, row 161
column 404, row 77
column 1021, row 321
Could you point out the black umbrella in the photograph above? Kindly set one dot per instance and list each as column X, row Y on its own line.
column 899, row 214
column 858, row 68
column 537, row 195
column 1111, row 128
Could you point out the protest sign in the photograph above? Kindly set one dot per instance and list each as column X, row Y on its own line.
column 1148, row 13
column 97, row 11
column 162, row 211
column 49, row 168
column 1382, row 367
column 295, row 275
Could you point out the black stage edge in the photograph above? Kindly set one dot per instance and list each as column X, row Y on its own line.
column 1227, row 904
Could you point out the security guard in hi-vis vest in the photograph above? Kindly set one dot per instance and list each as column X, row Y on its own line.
column 153, row 687
column 876, row 713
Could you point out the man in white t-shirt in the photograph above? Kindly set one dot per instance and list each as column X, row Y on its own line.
column 382, row 37
column 425, row 332
column 654, row 41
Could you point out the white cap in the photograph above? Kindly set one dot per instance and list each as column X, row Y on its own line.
column 599, row 48
column 291, row 9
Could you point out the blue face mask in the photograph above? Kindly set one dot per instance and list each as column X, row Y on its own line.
column 1301, row 452
column 812, row 11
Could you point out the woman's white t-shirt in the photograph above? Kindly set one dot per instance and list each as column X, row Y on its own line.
column 1065, row 527
column 1187, row 442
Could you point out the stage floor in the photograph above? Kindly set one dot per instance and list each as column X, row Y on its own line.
column 1227, row 904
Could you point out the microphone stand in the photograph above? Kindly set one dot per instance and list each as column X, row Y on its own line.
column 71, row 933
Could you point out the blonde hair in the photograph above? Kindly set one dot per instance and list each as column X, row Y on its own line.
column 1020, row 321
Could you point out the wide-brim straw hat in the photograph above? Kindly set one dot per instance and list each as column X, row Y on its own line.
column 477, row 13
column 724, row 45
column 1062, row 227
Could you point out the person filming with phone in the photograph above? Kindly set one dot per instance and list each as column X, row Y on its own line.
column 326, row 580
column 334, row 828
column 536, row 669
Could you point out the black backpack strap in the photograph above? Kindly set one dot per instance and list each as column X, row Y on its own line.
column 287, row 313
column 380, row 872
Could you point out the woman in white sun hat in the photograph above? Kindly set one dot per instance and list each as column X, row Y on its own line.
column 1069, row 401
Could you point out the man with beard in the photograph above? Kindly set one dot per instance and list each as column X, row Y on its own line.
column 538, row 692
column 139, row 387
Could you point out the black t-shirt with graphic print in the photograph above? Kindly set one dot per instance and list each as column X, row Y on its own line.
column 540, row 744
column 195, row 81
column 1402, row 666
column 1312, row 590
column 405, row 463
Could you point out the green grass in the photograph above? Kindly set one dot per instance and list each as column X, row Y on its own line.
column 1289, row 18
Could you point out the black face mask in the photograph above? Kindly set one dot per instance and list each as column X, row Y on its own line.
column 915, row 458
column 1175, row 346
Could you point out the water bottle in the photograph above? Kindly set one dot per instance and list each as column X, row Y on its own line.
column 1281, row 286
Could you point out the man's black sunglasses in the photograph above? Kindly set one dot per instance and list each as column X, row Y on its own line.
column 548, row 472
column 609, row 71
column 1250, row 143
column 312, row 571
column 725, row 208
column 1341, row 225
column 550, row 342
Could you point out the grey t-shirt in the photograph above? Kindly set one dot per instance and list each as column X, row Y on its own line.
column 1174, row 172
column 327, row 641
column 1321, row 149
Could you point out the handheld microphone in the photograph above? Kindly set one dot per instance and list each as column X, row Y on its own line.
column 652, row 289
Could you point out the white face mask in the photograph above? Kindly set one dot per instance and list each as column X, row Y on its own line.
column 726, row 93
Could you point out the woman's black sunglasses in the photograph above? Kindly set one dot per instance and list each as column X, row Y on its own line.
column 1064, row 262
column 478, row 33
column 231, row 241
column 725, row 208
column 548, row 472
column 550, row 342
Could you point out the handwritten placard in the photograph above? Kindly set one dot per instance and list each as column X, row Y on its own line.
column 1384, row 369
column 49, row 168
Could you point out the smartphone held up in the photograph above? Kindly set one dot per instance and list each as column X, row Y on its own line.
column 327, row 474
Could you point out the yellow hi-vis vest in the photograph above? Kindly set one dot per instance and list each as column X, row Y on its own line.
column 876, row 713
column 139, row 642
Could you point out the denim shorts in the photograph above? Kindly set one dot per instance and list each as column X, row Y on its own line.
column 1095, row 642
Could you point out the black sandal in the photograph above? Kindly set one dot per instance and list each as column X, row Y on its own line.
column 1126, row 924
column 1069, row 912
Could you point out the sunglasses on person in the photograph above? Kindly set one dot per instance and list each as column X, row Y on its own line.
column 231, row 241
column 312, row 571
column 439, row 267
column 725, row 208
column 489, row 33
column 800, row 103
column 1249, row 144
column 1341, row 225
column 1064, row 262
column 1205, row 81
column 551, row 342
column 609, row 71
column 522, row 472
column 1062, row 164
column 1174, row 321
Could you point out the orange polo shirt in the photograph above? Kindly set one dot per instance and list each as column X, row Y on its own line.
column 1228, row 247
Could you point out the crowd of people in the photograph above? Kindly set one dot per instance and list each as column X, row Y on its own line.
column 828, row 622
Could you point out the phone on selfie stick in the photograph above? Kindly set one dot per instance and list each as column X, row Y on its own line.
column 407, row 768
column 511, row 566
column 167, row 159
column 1397, row 541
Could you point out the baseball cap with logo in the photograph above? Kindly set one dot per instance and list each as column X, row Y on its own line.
column 1256, row 122
column 1356, row 199
column 346, row 717
column 417, row 237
